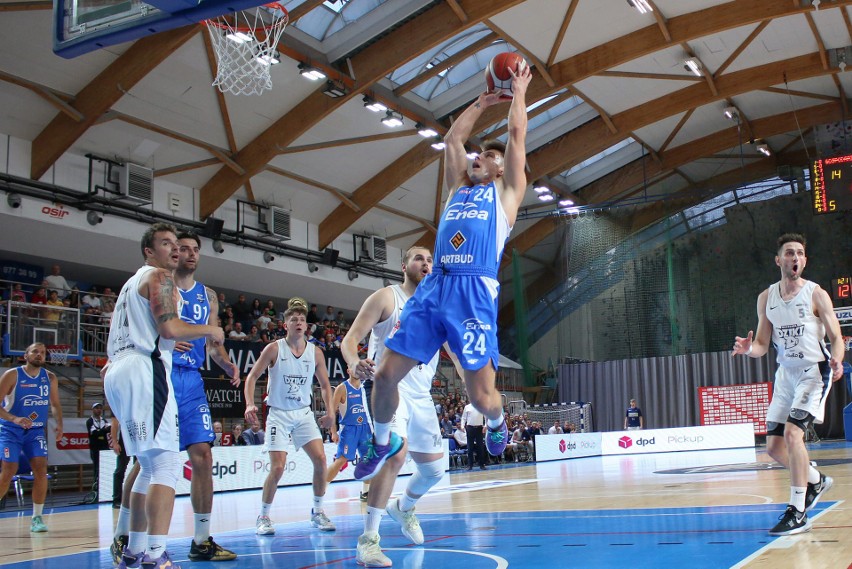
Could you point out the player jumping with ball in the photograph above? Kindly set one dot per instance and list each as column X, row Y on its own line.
column 457, row 303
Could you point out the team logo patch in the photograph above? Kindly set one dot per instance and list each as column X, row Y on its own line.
column 457, row 240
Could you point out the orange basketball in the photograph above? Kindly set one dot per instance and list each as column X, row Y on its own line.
column 497, row 74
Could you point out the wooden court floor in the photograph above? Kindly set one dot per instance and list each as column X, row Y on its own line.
column 698, row 509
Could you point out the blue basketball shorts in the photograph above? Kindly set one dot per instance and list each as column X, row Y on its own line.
column 194, row 421
column 458, row 309
column 14, row 441
column 353, row 438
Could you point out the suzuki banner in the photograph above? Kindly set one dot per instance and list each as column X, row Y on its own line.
column 73, row 447
column 682, row 439
column 239, row 468
column 571, row 445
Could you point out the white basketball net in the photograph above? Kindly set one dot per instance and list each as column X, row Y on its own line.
column 245, row 45
column 58, row 354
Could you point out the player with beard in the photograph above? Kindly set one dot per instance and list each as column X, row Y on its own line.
column 414, row 420
column 27, row 392
column 796, row 315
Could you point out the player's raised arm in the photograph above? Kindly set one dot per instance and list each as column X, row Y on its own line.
column 515, row 160
column 455, row 156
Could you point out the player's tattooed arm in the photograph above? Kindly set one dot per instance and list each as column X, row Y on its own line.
column 164, row 297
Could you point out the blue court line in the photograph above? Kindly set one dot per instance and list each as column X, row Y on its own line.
column 709, row 537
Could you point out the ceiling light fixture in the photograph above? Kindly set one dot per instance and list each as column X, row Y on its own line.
column 693, row 65
column 566, row 202
column 239, row 37
column 439, row 143
column 334, row 89
column 548, row 197
column 310, row 72
column 764, row 149
column 373, row 105
column 641, row 5
column 732, row 113
column 392, row 119
column 538, row 188
column 425, row 131
column 267, row 58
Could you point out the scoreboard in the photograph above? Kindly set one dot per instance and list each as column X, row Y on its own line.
column 841, row 289
column 832, row 185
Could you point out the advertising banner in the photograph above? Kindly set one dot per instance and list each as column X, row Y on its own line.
column 73, row 447
column 245, row 354
column 571, row 445
column 238, row 468
column 681, row 439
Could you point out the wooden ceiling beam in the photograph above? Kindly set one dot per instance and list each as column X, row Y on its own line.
column 61, row 101
column 661, row 21
column 560, row 35
column 339, row 194
column 740, row 48
column 531, row 57
column 374, row 190
column 160, row 172
column 458, row 11
column 804, row 94
column 823, row 55
column 676, row 129
column 369, row 65
column 428, row 225
column 102, row 92
column 348, row 141
column 600, row 110
column 640, row 75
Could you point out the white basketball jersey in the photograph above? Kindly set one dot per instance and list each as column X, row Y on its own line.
column 798, row 335
column 133, row 328
column 291, row 378
column 418, row 381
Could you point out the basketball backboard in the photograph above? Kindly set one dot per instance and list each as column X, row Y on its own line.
column 81, row 26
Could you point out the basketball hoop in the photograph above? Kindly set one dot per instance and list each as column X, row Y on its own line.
column 58, row 353
column 847, row 341
column 245, row 44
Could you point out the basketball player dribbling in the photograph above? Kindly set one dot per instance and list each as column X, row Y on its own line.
column 457, row 303
column 796, row 315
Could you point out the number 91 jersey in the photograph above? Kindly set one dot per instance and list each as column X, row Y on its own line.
column 195, row 309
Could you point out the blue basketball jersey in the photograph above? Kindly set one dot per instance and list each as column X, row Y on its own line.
column 472, row 232
column 195, row 309
column 29, row 398
column 355, row 412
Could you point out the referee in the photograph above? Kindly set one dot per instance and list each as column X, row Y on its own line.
column 473, row 422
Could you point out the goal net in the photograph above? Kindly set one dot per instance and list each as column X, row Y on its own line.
column 579, row 413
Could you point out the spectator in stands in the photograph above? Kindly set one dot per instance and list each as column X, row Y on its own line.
column 39, row 296
column 446, row 426
column 267, row 334
column 92, row 306
column 460, row 436
column 329, row 313
column 107, row 305
column 242, row 311
column 52, row 316
column 555, row 429
column 280, row 330
column 330, row 342
column 254, row 436
column 227, row 321
column 312, row 317
column 341, row 321
column 237, row 333
column 237, row 435
column 519, row 442
column 217, row 430
column 439, row 408
column 263, row 320
column 569, row 427
column 223, row 305
column 270, row 309
column 73, row 298
column 18, row 294
column 253, row 335
column 57, row 282
column 256, row 309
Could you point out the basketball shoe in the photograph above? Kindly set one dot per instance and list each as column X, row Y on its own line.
column 791, row 522
column 164, row 561
column 37, row 525
column 116, row 548
column 264, row 526
column 320, row 521
column 376, row 456
column 815, row 491
column 209, row 550
column 131, row 561
column 369, row 552
column 407, row 521
column 496, row 439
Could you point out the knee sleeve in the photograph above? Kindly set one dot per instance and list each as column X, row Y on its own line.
column 774, row 429
column 143, row 479
column 800, row 418
column 425, row 477
column 164, row 468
